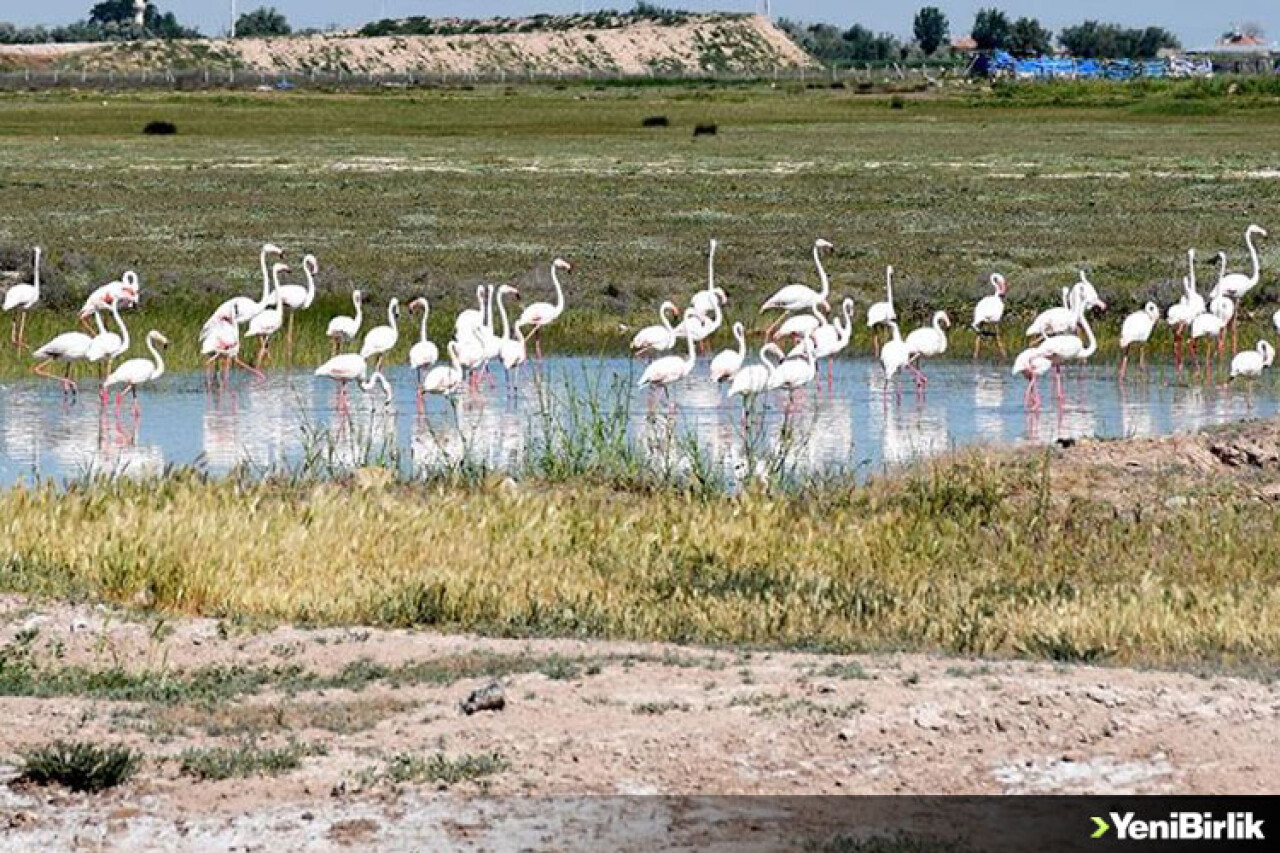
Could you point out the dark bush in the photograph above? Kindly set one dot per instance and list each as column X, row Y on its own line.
column 704, row 130
column 80, row 766
column 160, row 128
column 655, row 121
column 897, row 103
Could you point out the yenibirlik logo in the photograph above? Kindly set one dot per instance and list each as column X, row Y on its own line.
column 1182, row 826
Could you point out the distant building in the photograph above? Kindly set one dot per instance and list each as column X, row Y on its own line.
column 1240, row 53
column 963, row 44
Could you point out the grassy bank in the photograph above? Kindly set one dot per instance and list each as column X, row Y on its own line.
column 434, row 192
column 972, row 556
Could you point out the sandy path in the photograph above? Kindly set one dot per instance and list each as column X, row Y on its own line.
column 631, row 719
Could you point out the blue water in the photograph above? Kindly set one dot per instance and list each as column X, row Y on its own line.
column 853, row 427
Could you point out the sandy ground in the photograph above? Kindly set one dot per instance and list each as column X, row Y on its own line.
column 632, row 719
column 748, row 43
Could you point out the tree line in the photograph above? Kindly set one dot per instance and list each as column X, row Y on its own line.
column 113, row 20
column 992, row 30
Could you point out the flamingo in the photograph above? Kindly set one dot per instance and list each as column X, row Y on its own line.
column 801, row 326
column 265, row 324
column 1064, row 348
column 800, row 297
column 1187, row 308
column 670, row 369
column 704, row 301
column 511, row 348
column 380, row 340
column 1136, row 330
column 881, row 313
column 222, row 341
column 23, row 297
column 795, row 373
column 894, row 355
column 124, row 290
column 989, row 312
column 1236, row 285
column 348, row 367
column 1251, row 362
column 68, row 348
column 107, row 346
column 1031, row 364
column 1275, row 321
column 698, row 328
column 754, row 378
column 1211, row 324
column 727, row 363
column 541, row 314
column 489, row 337
column 243, row 308
column 470, row 319
column 138, row 371
column 343, row 329
column 658, row 338
column 295, row 297
column 830, row 339
column 927, row 342
column 379, row 381
column 445, row 379
column 1065, row 319
column 423, row 353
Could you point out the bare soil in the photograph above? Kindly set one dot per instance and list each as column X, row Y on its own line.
column 626, row 719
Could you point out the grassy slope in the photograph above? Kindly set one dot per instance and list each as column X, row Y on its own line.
column 434, row 192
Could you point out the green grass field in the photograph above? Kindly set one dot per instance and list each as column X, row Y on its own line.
column 433, row 192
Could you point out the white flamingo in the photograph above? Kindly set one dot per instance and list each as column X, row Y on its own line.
column 511, row 349
column 541, row 314
column 830, row 339
column 800, row 326
column 795, row 373
column 698, row 328
column 423, row 353
column 137, row 371
column 23, row 297
column 1136, row 331
column 343, row 329
column 1212, row 324
column 1064, row 319
column 881, row 313
column 1235, row 285
column 670, row 369
column 243, row 308
column 1252, row 362
column 266, row 323
column 659, row 338
column 295, row 297
column 1031, row 364
column 800, row 297
column 728, row 362
column 124, row 291
column 704, row 301
column 894, row 356
column 221, row 341
column 107, row 346
column 927, row 342
column 68, row 348
column 445, row 378
column 344, row 368
column 989, row 312
column 754, row 378
column 470, row 319
column 380, row 340
column 1068, row 347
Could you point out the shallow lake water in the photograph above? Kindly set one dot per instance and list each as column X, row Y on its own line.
column 852, row 427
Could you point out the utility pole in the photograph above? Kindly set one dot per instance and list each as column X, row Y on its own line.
column 233, row 18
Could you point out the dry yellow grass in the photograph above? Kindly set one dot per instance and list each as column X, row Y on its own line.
column 972, row 556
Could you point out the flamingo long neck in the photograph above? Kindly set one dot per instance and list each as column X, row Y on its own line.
column 555, row 279
column 692, row 357
column 822, row 273
column 663, row 314
column 311, row 282
column 155, row 353
column 711, row 269
column 1092, row 346
column 764, row 359
column 937, row 322
column 426, row 312
column 1191, row 277
column 97, row 318
column 266, row 277
column 897, row 333
column 453, row 356
column 888, row 284
column 995, row 285
column 36, row 273
column 359, row 303
column 489, row 310
column 391, row 314
column 124, row 330
column 1253, row 256
column 275, row 289
column 742, row 341
column 847, row 331
column 506, row 324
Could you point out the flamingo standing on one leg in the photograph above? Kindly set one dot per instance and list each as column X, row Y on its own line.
column 927, row 342
column 23, row 297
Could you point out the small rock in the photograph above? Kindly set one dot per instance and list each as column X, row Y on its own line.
column 488, row 698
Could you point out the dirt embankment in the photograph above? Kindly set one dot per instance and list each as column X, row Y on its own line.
column 749, row 43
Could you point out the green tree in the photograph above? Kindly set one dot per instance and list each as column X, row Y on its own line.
column 991, row 29
column 1028, row 38
column 114, row 18
column 931, row 29
column 1092, row 40
column 261, row 22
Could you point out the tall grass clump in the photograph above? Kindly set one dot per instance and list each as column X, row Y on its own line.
column 79, row 765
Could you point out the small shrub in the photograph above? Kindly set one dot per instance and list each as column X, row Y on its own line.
column 897, row 103
column 247, row 760
column 655, row 121
column 80, row 766
column 160, row 128
column 443, row 770
column 704, row 130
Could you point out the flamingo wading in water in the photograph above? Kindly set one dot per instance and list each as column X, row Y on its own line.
column 138, row 371
column 801, row 297
column 989, row 312
column 541, row 314
column 23, row 297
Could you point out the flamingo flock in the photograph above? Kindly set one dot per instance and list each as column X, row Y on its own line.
column 803, row 333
